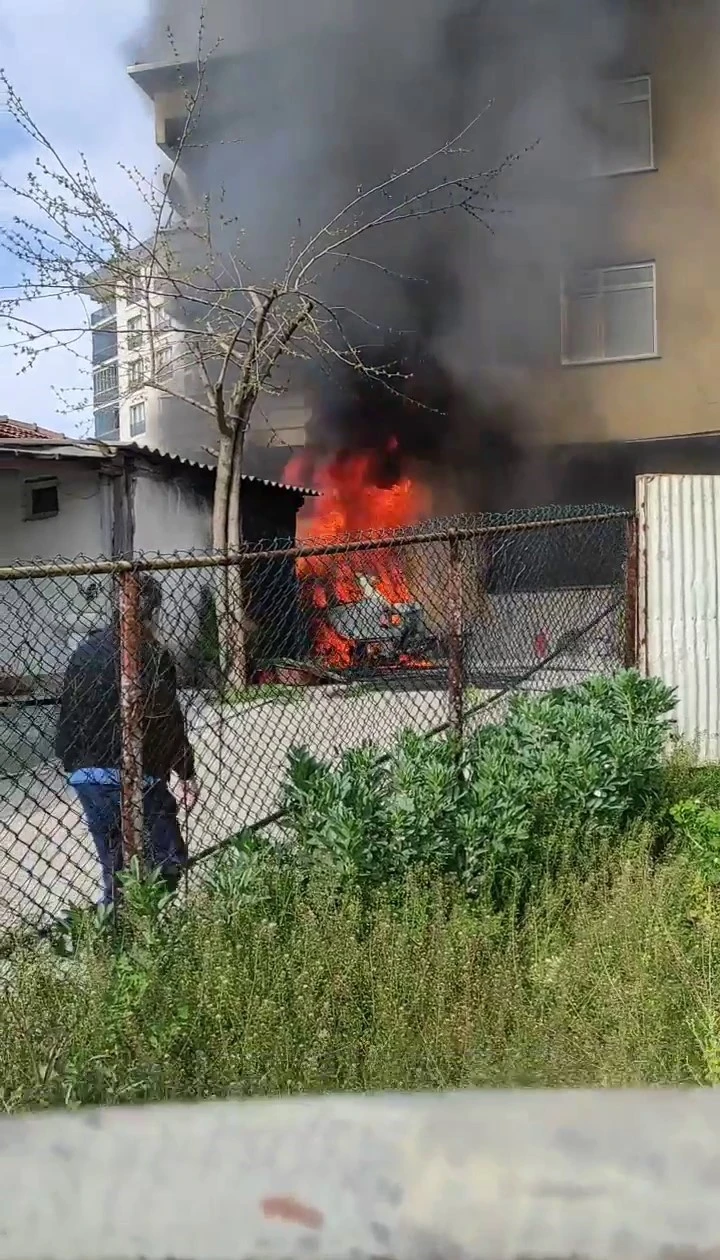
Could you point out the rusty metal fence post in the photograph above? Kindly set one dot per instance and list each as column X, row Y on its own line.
column 131, row 717
column 456, row 670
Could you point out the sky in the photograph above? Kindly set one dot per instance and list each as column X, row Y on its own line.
column 67, row 61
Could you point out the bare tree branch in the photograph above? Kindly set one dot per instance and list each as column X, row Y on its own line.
column 224, row 333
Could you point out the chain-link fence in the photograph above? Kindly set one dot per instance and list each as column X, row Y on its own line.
column 322, row 647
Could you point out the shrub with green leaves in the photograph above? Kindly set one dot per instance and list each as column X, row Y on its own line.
column 699, row 828
column 527, row 797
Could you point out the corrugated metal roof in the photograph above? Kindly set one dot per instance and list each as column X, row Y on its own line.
column 170, row 457
column 55, row 446
column 154, row 452
column 282, row 485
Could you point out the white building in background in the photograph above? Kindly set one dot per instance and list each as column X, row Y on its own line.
column 128, row 406
column 126, row 411
column 129, row 354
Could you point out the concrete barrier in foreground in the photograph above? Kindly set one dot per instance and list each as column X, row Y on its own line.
column 495, row 1176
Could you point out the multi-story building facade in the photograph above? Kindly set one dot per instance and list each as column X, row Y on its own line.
column 140, row 362
column 635, row 380
column 629, row 380
column 105, row 357
column 140, row 365
column 136, row 351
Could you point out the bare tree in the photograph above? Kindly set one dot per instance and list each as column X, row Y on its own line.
column 237, row 336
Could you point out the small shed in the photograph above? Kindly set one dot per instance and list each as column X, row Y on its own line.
column 62, row 498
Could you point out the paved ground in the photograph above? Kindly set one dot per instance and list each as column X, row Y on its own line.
column 46, row 856
column 47, row 860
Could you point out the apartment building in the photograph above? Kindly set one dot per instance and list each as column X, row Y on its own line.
column 628, row 381
column 634, row 386
column 134, row 399
column 140, row 364
column 135, row 349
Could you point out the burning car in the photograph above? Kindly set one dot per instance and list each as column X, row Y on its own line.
column 367, row 619
column 537, row 601
column 376, row 630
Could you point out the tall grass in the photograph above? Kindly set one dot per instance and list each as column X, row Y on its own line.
column 541, row 907
column 307, row 987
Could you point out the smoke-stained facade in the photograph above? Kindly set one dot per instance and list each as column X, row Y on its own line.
column 308, row 102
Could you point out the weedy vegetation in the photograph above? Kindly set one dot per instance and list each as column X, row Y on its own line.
column 537, row 907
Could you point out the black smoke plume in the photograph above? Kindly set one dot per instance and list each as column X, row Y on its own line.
column 313, row 98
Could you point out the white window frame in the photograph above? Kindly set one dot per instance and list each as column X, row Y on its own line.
column 161, row 320
column 136, row 378
column 136, row 431
column 568, row 294
column 134, row 329
column 32, row 484
column 107, row 372
column 107, row 433
column 134, row 286
column 163, row 359
column 634, row 95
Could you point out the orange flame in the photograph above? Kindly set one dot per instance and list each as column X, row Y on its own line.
column 352, row 502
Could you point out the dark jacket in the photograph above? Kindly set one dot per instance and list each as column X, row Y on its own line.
column 88, row 732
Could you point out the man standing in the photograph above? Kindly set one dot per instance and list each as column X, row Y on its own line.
column 89, row 744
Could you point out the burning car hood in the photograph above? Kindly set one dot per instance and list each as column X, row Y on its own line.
column 368, row 620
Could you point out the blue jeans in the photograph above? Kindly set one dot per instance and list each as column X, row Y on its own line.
column 164, row 848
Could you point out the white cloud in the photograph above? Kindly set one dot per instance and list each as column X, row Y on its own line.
column 65, row 60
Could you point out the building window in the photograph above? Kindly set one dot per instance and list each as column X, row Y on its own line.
column 105, row 381
column 135, row 287
column 41, row 498
column 610, row 315
column 626, row 128
column 102, row 314
column 136, row 373
column 104, row 345
column 134, row 332
column 163, row 359
column 137, row 419
column 107, row 422
column 161, row 318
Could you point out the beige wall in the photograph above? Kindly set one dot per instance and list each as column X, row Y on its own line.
column 671, row 215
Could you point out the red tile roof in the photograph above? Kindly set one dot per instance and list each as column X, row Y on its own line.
column 16, row 431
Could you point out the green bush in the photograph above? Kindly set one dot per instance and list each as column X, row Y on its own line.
column 535, row 794
column 699, row 828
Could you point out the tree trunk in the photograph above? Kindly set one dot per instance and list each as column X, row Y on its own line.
column 223, row 479
column 227, row 538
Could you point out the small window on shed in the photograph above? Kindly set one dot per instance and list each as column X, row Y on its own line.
column 41, row 498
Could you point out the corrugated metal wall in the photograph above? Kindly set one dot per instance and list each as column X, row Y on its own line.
column 679, row 598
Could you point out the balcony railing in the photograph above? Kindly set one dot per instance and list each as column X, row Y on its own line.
column 105, row 384
column 102, row 314
column 105, row 345
column 107, row 424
